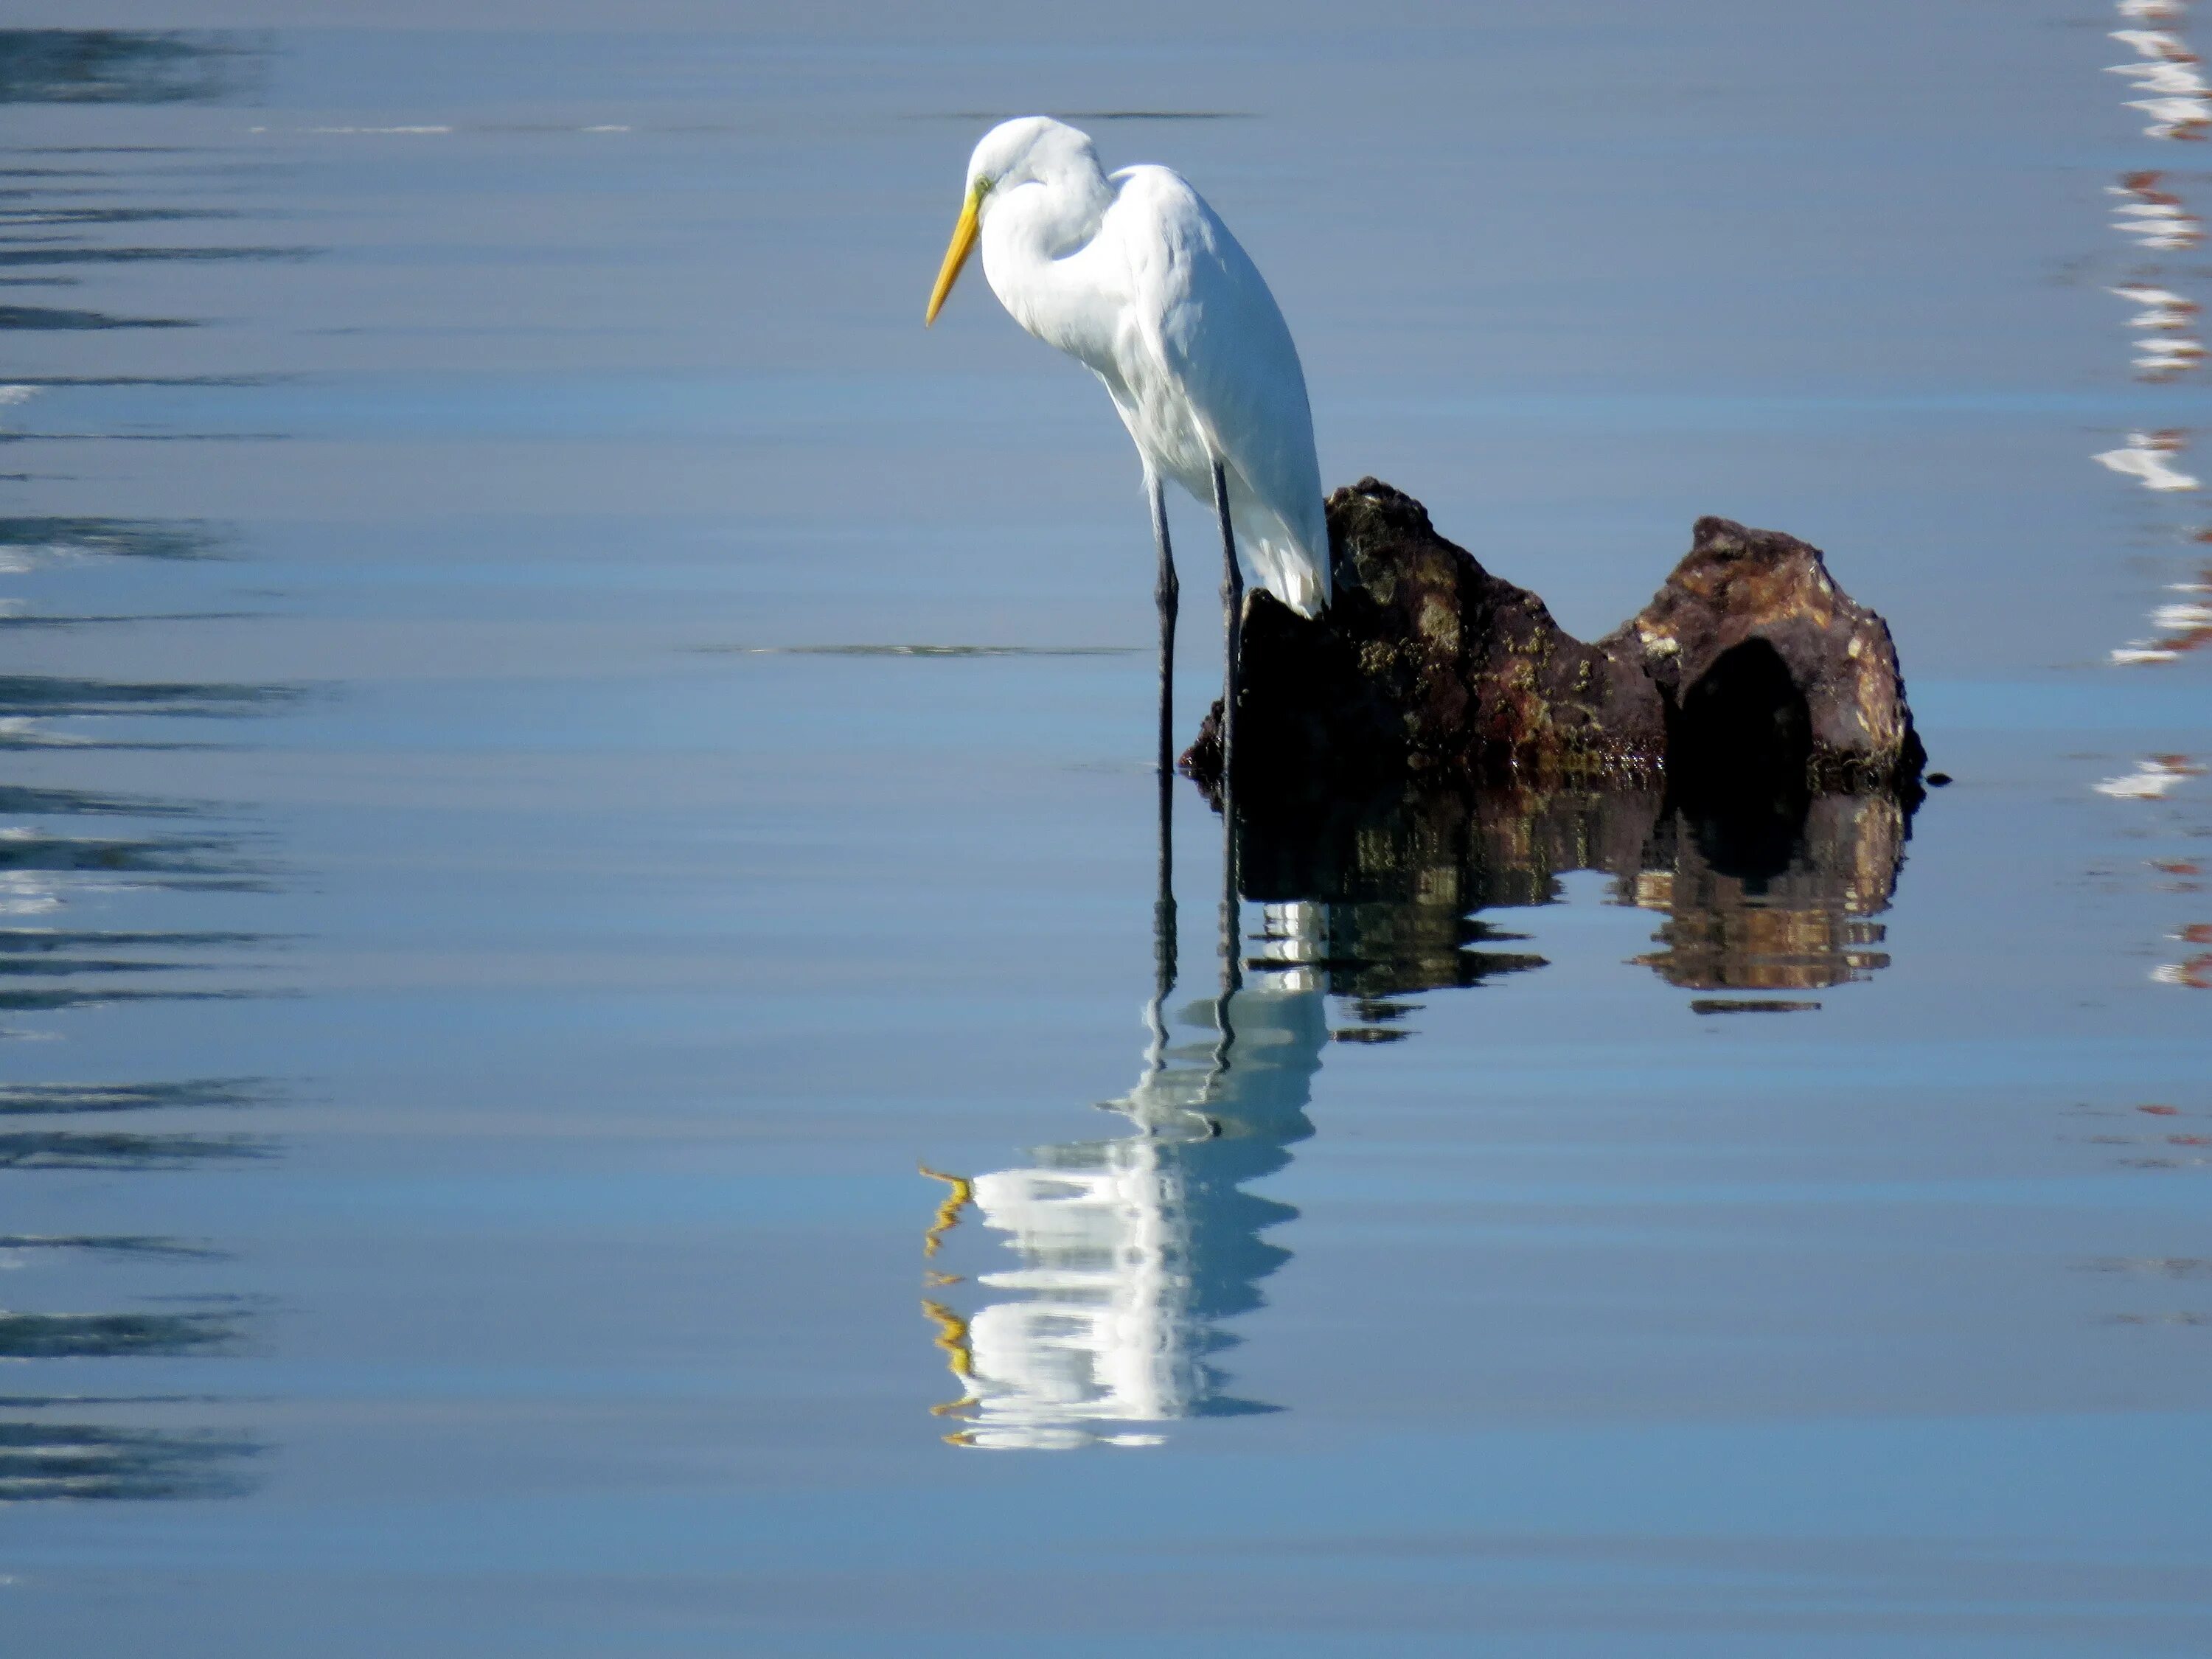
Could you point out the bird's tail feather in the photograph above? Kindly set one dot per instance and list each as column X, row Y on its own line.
column 1287, row 570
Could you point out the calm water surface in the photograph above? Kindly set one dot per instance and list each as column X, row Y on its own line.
column 489, row 928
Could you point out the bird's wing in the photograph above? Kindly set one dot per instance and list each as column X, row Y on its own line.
column 1219, row 340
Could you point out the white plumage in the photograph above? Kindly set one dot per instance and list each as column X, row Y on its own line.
column 1138, row 279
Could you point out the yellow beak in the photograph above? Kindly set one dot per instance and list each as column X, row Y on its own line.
column 956, row 255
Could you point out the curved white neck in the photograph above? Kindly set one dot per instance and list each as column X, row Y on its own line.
column 1028, row 230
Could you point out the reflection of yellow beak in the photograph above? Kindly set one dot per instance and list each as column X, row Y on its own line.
column 964, row 244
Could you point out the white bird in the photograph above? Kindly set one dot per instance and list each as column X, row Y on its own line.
column 1137, row 279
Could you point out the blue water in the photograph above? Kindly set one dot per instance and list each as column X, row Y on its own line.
column 489, row 928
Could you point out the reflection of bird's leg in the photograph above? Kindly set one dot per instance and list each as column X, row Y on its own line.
column 1163, row 948
column 1232, row 933
column 1164, row 954
column 1164, row 911
column 1163, row 938
column 1233, row 599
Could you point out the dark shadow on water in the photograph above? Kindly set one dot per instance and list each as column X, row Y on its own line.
column 43, row 218
column 85, row 1146
column 119, row 207
column 30, row 702
column 48, row 319
column 91, row 254
column 27, row 543
column 127, row 66
column 26, row 1147
column 117, row 1336
column 56, row 1445
column 56, row 1002
column 96, row 1291
column 63, row 1149
column 21, row 799
column 27, row 1099
column 36, row 951
column 11, row 624
column 56, row 695
column 130, row 379
column 131, row 539
column 42, row 1462
column 130, row 1246
column 206, row 862
column 48, row 864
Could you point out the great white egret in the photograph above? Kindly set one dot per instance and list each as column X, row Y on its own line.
column 1135, row 277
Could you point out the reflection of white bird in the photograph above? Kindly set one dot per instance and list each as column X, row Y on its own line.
column 1133, row 1251
column 1138, row 279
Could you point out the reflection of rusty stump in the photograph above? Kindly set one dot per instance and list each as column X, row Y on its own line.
column 1803, row 927
column 1758, row 894
column 1750, row 666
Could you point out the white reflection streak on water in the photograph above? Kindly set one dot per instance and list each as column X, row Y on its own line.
column 1129, row 1253
column 27, row 893
column 2155, row 219
column 2144, row 457
column 2152, row 779
column 2166, row 321
column 2166, row 316
column 2152, row 217
column 2178, row 104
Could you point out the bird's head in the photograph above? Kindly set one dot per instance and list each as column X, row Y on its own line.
column 1031, row 150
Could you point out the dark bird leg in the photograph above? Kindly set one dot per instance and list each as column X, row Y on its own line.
column 1232, row 599
column 1232, row 928
column 1163, row 906
column 1163, row 946
column 1232, row 935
